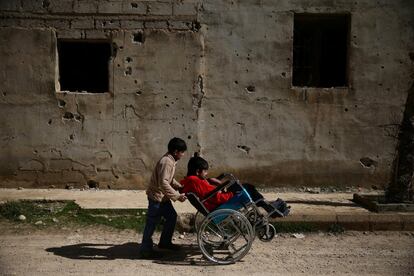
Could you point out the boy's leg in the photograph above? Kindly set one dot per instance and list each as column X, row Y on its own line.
column 153, row 218
column 253, row 192
column 168, row 212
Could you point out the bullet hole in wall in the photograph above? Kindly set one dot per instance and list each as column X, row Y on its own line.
column 212, row 115
column 61, row 103
column 167, row 105
column 346, row 109
column 45, row 4
column 4, row 94
column 236, row 82
column 77, row 117
column 189, row 137
column 128, row 59
column 135, row 81
column 165, row 97
column 134, row 5
column 68, row 116
column 93, row 184
column 71, row 137
column 244, row 148
column 128, row 71
column 251, row 88
column 138, row 37
column 196, row 26
column 368, row 162
column 138, row 92
column 114, row 49
column 49, row 122
column 102, row 140
column 283, row 74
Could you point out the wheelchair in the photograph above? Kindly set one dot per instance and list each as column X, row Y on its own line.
column 225, row 235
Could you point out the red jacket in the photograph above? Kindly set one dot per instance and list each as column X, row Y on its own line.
column 201, row 187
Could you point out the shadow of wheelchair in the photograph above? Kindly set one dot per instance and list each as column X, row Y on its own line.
column 188, row 255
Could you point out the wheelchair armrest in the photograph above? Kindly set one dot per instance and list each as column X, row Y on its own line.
column 219, row 188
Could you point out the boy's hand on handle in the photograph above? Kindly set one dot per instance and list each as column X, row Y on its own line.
column 182, row 198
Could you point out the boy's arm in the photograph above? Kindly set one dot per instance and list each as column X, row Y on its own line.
column 166, row 171
column 214, row 181
column 175, row 184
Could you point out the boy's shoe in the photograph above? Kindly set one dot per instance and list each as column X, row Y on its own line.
column 169, row 246
column 150, row 254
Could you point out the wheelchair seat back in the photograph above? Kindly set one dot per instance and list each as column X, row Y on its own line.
column 195, row 201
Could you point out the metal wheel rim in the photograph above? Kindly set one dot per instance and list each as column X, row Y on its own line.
column 266, row 237
column 218, row 236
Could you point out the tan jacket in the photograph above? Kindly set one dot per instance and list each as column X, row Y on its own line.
column 163, row 186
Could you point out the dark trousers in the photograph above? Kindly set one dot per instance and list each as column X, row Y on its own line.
column 251, row 189
column 156, row 210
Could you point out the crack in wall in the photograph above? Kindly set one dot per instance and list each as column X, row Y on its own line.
column 198, row 98
column 130, row 106
column 81, row 117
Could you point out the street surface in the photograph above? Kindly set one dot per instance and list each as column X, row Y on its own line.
column 30, row 250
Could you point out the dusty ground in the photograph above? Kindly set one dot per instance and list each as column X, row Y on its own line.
column 28, row 250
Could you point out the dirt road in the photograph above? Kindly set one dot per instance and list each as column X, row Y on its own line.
column 102, row 251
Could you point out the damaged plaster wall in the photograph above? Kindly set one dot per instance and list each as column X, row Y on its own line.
column 216, row 73
column 266, row 131
column 52, row 137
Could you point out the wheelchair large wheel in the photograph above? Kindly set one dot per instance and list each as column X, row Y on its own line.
column 198, row 219
column 225, row 236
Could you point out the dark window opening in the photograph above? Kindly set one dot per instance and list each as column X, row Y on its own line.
column 84, row 66
column 320, row 50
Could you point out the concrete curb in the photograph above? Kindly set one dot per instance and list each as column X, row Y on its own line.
column 346, row 221
column 358, row 222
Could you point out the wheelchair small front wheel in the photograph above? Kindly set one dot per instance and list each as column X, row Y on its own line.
column 266, row 233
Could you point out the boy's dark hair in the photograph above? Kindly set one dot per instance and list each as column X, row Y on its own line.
column 176, row 144
column 196, row 163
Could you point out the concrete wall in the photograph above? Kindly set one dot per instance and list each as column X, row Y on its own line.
column 189, row 79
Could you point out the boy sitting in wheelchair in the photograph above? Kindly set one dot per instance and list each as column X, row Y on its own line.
column 234, row 196
column 229, row 215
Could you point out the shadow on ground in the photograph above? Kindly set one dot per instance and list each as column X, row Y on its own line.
column 188, row 255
